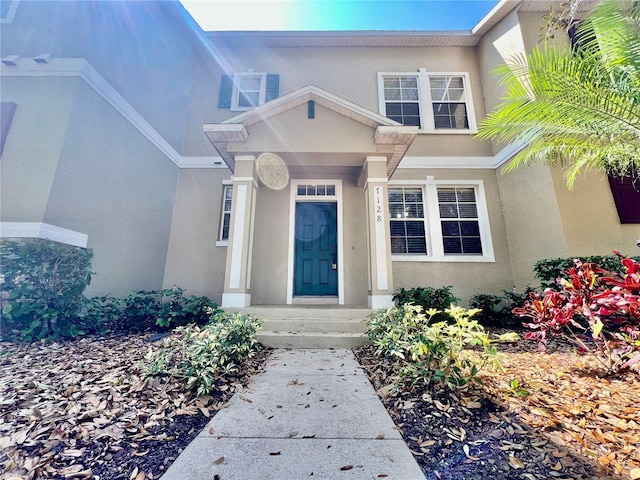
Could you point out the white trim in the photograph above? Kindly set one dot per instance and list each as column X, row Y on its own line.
column 79, row 67
column 236, row 300
column 377, row 302
column 251, row 235
column 380, row 230
column 425, row 102
column 337, row 199
column 433, row 227
column 238, row 237
column 11, row 13
column 219, row 242
column 43, row 230
column 246, row 179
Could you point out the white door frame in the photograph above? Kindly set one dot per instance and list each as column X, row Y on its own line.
column 293, row 198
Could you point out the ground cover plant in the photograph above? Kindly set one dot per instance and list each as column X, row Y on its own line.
column 94, row 407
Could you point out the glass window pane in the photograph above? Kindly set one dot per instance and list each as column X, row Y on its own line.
column 448, row 210
column 395, row 195
column 322, row 189
column 249, row 82
column 415, row 229
column 302, row 190
column 455, row 94
column 452, row 245
column 451, row 229
column 409, row 121
column 392, row 94
column 248, row 99
column 456, row 83
column 469, row 229
column 394, row 109
column 468, row 210
column 396, row 210
column 446, row 194
column 397, row 229
column 413, row 211
column 413, row 195
column 409, row 82
column 227, row 205
column 472, row 245
column 391, row 82
column 410, row 94
column 398, row 245
column 466, row 194
column 331, row 190
column 416, row 245
column 311, row 189
column 410, row 109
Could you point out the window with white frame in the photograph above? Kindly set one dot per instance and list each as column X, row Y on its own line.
column 439, row 221
column 406, row 216
column 248, row 90
column 225, row 217
column 435, row 102
column 401, row 99
column 459, row 220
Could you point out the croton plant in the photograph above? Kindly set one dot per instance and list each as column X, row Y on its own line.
column 596, row 309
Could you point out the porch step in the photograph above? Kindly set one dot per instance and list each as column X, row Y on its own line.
column 317, row 326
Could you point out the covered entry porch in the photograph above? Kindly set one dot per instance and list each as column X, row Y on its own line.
column 310, row 225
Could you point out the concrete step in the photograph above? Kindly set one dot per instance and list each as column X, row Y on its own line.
column 311, row 339
column 317, row 326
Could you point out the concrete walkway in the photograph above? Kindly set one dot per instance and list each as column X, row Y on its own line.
column 310, row 414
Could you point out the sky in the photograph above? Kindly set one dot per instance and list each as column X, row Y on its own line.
column 309, row 15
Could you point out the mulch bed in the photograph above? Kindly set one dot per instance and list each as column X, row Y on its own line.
column 82, row 409
column 560, row 420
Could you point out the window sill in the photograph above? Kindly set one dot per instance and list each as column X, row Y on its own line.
column 222, row 243
column 445, row 259
column 453, row 131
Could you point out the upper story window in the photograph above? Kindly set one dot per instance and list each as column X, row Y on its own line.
column 435, row 102
column 246, row 90
column 401, row 100
column 444, row 221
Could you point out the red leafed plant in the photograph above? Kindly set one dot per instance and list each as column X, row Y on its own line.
column 596, row 303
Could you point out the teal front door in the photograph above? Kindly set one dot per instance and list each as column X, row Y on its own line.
column 315, row 265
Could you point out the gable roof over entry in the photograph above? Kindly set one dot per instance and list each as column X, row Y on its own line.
column 387, row 131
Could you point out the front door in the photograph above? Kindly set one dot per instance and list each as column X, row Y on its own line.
column 315, row 265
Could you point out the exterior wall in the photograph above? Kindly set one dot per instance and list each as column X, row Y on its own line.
column 194, row 262
column 114, row 185
column 467, row 278
column 590, row 219
column 357, row 79
column 33, row 146
column 533, row 222
column 146, row 50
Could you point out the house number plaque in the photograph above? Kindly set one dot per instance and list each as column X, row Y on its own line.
column 378, row 204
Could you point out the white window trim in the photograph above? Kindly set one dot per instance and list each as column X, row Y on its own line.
column 433, row 227
column 337, row 198
column 426, row 102
column 235, row 92
column 219, row 242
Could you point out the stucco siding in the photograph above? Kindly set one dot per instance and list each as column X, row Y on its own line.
column 33, row 145
column 533, row 222
column 194, row 262
column 590, row 219
column 114, row 185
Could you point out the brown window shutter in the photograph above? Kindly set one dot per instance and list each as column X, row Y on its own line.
column 626, row 195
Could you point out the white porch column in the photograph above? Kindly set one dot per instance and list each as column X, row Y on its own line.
column 378, row 238
column 237, row 276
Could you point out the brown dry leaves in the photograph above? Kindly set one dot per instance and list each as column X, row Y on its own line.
column 596, row 418
column 58, row 399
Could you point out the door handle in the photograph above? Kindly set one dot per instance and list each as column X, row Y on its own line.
column 334, row 264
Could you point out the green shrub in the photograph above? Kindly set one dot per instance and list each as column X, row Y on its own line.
column 550, row 269
column 429, row 352
column 428, row 298
column 145, row 310
column 42, row 284
column 201, row 355
column 497, row 310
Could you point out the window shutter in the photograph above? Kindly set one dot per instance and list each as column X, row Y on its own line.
column 273, row 86
column 626, row 195
column 226, row 89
